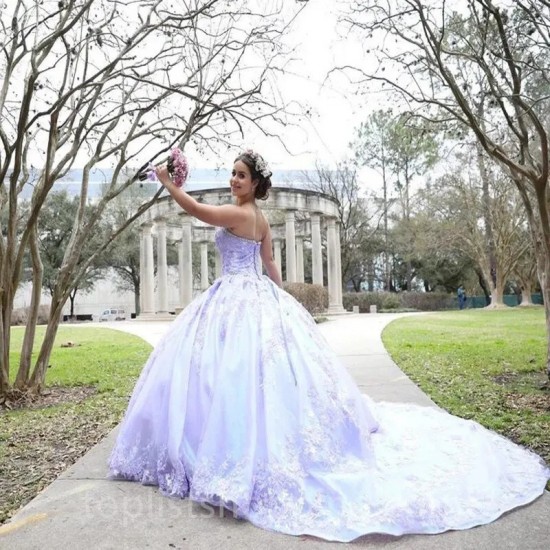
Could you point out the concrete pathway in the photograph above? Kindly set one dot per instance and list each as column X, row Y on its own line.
column 83, row 510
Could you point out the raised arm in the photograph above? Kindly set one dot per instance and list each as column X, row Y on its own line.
column 266, row 252
column 226, row 215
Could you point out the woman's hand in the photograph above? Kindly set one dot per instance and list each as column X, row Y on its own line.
column 162, row 175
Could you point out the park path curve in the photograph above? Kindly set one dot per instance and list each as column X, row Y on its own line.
column 83, row 510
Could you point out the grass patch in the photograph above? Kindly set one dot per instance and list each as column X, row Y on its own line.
column 488, row 366
column 399, row 310
column 36, row 445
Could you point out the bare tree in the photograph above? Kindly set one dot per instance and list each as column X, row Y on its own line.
column 525, row 275
column 96, row 83
column 457, row 204
column 358, row 223
column 442, row 61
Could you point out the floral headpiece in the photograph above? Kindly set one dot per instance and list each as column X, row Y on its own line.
column 260, row 165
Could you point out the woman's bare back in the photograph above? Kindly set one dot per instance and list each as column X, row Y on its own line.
column 255, row 228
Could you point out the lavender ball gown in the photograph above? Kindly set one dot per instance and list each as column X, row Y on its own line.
column 243, row 404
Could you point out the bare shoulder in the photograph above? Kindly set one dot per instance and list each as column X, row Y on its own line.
column 234, row 215
column 232, row 208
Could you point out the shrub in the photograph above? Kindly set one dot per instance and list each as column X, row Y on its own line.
column 313, row 297
column 19, row 316
column 390, row 301
column 364, row 300
column 420, row 301
column 427, row 301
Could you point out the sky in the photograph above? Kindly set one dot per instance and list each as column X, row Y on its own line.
column 336, row 110
column 319, row 45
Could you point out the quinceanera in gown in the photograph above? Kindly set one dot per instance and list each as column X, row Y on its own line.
column 243, row 404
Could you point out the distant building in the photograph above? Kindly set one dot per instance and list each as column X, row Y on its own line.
column 199, row 179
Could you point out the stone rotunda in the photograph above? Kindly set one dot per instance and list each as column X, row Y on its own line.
column 167, row 221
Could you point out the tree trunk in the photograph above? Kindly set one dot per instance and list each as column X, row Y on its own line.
column 7, row 295
column 541, row 242
column 39, row 373
column 22, row 379
column 487, row 219
column 483, row 286
column 4, row 352
column 497, row 297
column 544, row 278
column 136, row 301
column 72, row 296
column 526, row 296
column 527, row 276
column 497, row 290
column 6, row 311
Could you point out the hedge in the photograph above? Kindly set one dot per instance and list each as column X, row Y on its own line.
column 20, row 316
column 422, row 301
column 313, row 297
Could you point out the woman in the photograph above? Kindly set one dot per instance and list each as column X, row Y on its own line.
column 242, row 404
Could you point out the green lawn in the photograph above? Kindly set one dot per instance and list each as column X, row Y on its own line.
column 37, row 445
column 484, row 365
column 108, row 359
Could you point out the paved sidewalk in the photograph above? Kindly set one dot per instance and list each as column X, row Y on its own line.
column 82, row 510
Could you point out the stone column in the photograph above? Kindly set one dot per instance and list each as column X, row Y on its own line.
column 290, row 247
column 299, row 259
column 204, row 265
column 148, row 283
column 316, row 250
column 141, row 268
column 185, row 261
column 339, row 268
column 277, row 254
column 332, row 266
column 162, row 269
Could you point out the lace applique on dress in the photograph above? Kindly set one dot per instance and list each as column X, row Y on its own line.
column 243, row 404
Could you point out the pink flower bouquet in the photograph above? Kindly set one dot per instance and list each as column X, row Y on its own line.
column 178, row 168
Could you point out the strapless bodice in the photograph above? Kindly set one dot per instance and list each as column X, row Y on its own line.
column 238, row 254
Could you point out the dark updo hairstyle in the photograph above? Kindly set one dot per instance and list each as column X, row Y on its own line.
column 254, row 161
